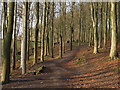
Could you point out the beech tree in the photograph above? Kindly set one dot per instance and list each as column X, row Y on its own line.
column 5, row 18
column 80, row 23
column 36, row 33
column 64, row 25
column 105, row 23
column 72, row 26
column 113, row 50
column 28, row 31
column 52, row 32
column 14, row 40
column 100, row 26
column 94, row 20
column 60, row 35
column 24, row 38
column 43, row 33
column 7, row 45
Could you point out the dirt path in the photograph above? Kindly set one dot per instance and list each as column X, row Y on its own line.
column 63, row 73
column 54, row 76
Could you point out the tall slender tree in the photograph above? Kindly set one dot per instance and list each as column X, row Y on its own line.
column 28, row 31
column 52, row 33
column 47, row 29
column 7, row 45
column 72, row 26
column 64, row 25
column 36, row 33
column 5, row 18
column 14, row 40
column 100, row 26
column 105, row 24
column 24, row 39
column 60, row 35
column 80, row 21
column 113, row 50
column 43, row 33
column 94, row 20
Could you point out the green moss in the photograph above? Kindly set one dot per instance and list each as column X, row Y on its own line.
column 40, row 69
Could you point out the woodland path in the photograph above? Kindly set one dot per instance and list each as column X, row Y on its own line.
column 62, row 73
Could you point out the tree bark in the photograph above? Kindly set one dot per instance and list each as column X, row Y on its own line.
column 94, row 20
column 7, row 45
column 28, row 32
column 52, row 37
column 36, row 33
column 72, row 26
column 14, row 41
column 43, row 33
column 24, row 39
column 60, row 36
column 113, row 50
column 80, row 21
column 105, row 24
column 5, row 19
column 100, row 27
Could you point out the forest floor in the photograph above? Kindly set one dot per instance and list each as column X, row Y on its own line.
column 79, row 68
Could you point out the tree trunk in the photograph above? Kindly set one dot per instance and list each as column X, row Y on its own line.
column 80, row 21
column 28, row 32
column 43, row 33
column 100, row 27
column 24, row 39
column 119, row 20
column 60, row 47
column 52, row 36
column 72, row 26
column 94, row 20
column 7, row 45
column 5, row 19
column 60, row 36
column 64, row 26
column 113, row 50
column 105, row 25
column 14, row 41
column 36, row 33
column 71, row 37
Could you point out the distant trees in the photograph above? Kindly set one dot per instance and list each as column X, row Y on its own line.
column 7, row 45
